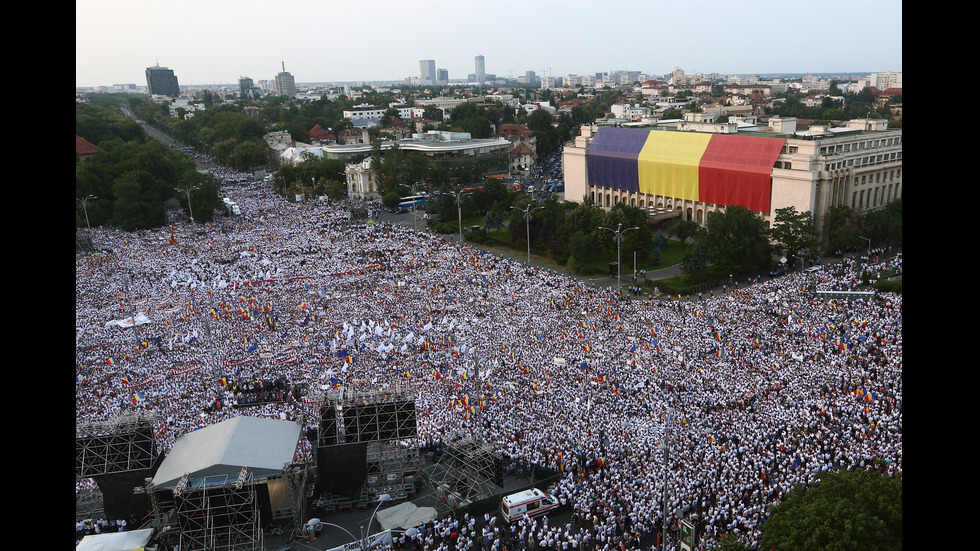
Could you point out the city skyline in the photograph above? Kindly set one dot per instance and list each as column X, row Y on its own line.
column 116, row 42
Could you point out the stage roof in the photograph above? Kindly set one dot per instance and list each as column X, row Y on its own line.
column 265, row 446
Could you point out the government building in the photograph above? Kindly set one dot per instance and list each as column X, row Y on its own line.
column 691, row 168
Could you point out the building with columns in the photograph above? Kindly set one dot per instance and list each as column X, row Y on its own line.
column 688, row 170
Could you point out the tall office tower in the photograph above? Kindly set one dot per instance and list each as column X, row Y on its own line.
column 481, row 70
column 162, row 81
column 427, row 70
column 442, row 77
column 285, row 83
column 246, row 88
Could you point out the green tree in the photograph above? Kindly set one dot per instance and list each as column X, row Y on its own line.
column 793, row 232
column 842, row 228
column 683, row 230
column 493, row 219
column 729, row 542
column 884, row 225
column 336, row 189
column 695, row 263
column 859, row 510
column 205, row 195
column 735, row 241
column 250, row 154
column 139, row 202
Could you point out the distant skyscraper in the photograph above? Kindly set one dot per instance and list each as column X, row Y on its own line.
column 247, row 89
column 162, row 81
column 285, row 83
column 481, row 70
column 442, row 77
column 427, row 70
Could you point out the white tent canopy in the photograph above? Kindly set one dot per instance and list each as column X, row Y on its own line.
column 405, row 516
column 263, row 445
column 115, row 541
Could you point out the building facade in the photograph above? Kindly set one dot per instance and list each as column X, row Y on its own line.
column 162, row 81
column 427, row 71
column 452, row 150
column 481, row 70
column 689, row 174
column 285, row 84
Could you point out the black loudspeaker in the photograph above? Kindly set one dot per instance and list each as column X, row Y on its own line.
column 341, row 470
column 613, row 269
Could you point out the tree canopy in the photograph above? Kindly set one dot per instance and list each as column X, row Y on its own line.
column 857, row 510
column 133, row 180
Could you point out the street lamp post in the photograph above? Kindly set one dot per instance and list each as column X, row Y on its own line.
column 188, row 193
column 619, row 231
column 415, row 217
column 868, row 239
column 459, row 208
column 527, row 224
column 664, row 447
column 84, row 201
column 367, row 534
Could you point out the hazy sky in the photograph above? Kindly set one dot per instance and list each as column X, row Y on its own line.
column 218, row 41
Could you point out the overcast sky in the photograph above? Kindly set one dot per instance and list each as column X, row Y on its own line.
column 218, row 41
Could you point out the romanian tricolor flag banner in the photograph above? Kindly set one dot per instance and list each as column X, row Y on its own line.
column 722, row 169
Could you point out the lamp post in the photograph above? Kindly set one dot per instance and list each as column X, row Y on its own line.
column 868, row 239
column 84, row 201
column 381, row 499
column 188, row 193
column 619, row 231
column 459, row 208
column 664, row 447
column 415, row 217
column 527, row 224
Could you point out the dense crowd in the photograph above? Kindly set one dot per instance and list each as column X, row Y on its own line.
column 718, row 404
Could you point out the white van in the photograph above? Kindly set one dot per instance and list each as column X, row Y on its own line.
column 533, row 503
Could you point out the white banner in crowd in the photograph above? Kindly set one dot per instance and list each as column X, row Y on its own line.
column 375, row 539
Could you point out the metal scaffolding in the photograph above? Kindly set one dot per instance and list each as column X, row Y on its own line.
column 385, row 422
column 468, row 471
column 124, row 443
column 218, row 513
column 89, row 504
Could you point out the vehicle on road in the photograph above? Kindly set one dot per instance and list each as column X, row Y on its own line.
column 533, row 503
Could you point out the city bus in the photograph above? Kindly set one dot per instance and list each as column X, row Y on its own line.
column 413, row 202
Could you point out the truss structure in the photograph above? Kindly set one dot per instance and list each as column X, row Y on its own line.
column 385, row 421
column 468, row 471
column 124, row 443
column 218, row 513
column 89, row 504
column 392, row 469
column 349, row 416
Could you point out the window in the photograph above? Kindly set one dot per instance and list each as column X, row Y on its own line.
column 533, row 505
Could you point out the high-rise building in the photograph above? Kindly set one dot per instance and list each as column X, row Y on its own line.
column 442, row 77
column 162, row 81
column 481, row 70
column 247, row 89
column 285, row 83
column 427, row 71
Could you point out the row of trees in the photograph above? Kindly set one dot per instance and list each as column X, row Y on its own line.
column 569, row 233
column 737, row 241
column 134, row 180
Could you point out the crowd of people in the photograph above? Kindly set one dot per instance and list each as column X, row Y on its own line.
column 716, row 405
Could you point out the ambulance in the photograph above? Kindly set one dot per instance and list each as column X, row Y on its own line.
column 533, row 503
